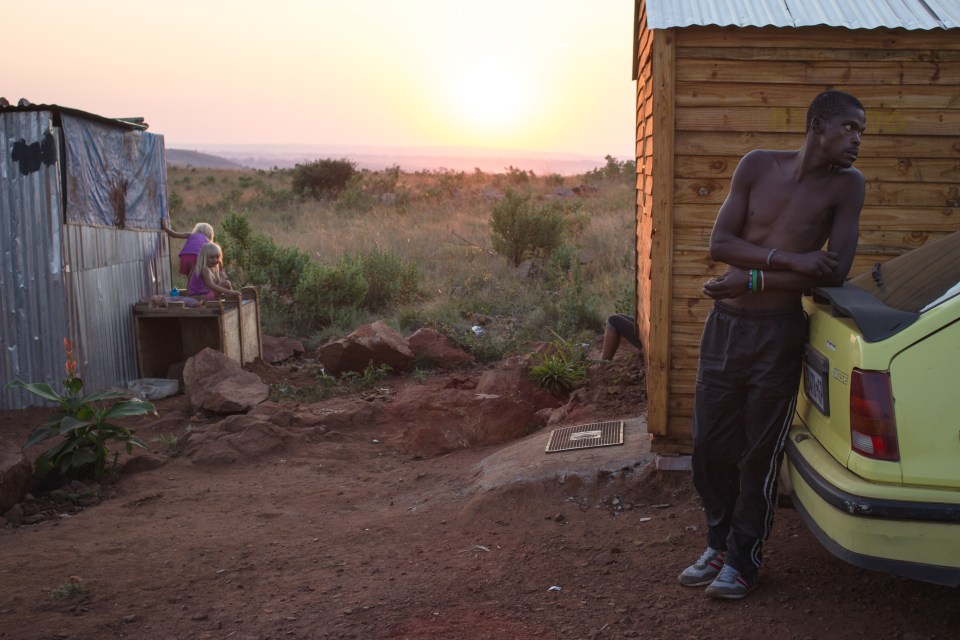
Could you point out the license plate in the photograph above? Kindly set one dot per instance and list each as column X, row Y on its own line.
column 815, row 387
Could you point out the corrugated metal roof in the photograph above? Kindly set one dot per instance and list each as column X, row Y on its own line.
column 126, row 123
column 856, row 14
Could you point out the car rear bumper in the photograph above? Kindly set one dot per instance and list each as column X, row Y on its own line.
column 908, row 532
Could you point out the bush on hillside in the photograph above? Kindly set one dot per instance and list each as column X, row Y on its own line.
column 522, row 229
column 323, row 291
column 390, row 280
column 323, row 178
column 615, row 170
column 254, row 259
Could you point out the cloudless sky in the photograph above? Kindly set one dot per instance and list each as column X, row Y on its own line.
column 543, row 75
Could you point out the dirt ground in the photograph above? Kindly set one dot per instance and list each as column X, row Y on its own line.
column 343, row 536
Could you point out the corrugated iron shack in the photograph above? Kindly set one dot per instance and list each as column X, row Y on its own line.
column 718, row 79
column 81, row 197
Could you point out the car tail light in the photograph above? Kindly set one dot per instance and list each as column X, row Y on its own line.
column 873, row 426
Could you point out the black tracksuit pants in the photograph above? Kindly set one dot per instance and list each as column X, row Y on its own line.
column 746, row 392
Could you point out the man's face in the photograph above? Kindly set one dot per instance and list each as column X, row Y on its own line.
column 840, row 136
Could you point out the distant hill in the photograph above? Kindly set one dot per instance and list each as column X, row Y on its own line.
column 185, row 158
column 377, row 158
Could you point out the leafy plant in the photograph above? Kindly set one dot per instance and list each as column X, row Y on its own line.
column 83, row 424
column 560, row 369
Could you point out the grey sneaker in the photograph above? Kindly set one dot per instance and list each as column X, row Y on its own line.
column 730, row 585
column 704, row 570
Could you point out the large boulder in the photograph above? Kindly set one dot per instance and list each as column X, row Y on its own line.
column 429, row 345
column 375, row 343
column 432, row 419
column 426, row 420
column 214, row 382
column 237, row 438
column 15, row 475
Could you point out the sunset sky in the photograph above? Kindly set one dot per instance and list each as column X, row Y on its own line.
column 542, row 75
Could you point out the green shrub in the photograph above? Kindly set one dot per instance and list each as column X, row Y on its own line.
column 323, row 178
column 254, row 259
column 323, row 289
column 390, row 280
column 521, row 229
column 354, row 197
column 614, row 170
column 519, row 176
column 561, row 369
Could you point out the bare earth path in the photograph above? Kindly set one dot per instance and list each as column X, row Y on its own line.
column 342, row 536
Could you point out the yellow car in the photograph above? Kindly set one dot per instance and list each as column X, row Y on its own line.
column 873, row 457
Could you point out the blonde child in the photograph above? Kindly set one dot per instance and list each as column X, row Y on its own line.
column 207, row 280
column 202, row 234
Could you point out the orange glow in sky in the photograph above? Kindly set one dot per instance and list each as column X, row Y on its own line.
column 542, row 75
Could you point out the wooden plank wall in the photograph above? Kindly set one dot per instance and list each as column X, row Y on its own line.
column 644, row 150
column 738, row 89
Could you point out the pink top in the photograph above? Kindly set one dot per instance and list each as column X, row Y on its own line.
column 193, row 244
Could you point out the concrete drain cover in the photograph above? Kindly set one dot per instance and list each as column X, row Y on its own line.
column 584, row 436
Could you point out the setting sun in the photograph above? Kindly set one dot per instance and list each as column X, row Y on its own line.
column 490, row 93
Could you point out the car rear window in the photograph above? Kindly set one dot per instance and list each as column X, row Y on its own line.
column 919, row 279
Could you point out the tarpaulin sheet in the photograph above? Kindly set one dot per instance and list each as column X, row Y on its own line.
column 115, row 177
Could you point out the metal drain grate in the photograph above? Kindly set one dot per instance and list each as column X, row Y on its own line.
column 584, row 436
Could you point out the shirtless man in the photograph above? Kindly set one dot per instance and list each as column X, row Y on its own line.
column 770, row 231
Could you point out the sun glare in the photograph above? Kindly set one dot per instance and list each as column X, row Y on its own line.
column 489, row 93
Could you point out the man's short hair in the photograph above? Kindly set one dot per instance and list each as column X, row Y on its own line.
column 831, row 103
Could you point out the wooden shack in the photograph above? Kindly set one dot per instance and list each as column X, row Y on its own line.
column 715, row 84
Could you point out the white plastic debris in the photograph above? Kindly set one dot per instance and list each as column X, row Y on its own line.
column 153, row 388
column 554, row 588
column 477, row 329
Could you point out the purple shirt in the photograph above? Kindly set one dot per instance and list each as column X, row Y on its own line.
column 196, row 286
column 193, row 245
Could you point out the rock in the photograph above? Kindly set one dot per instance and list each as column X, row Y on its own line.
column 375, row 343
column 431, row 420
column 16, row 474
column 14, row 515
column 216, row 383
column 432, row 346
column 234, row 439
column 279, row 349
column 140, row 463
column 274, row 413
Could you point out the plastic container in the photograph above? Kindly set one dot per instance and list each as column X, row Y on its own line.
column 153, row 388
column 175, row 293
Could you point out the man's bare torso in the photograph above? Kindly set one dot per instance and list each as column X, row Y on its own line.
column 787, row 214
